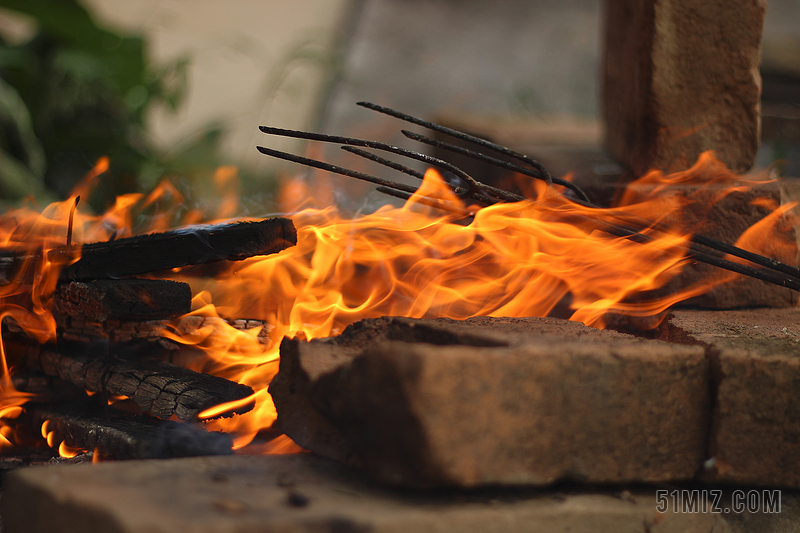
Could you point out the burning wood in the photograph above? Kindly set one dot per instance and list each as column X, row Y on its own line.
column 115, row 435
column 156, row 252
column 106, row 323
column 102, row 300
column 160, row 389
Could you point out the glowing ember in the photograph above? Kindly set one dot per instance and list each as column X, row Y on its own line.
column 511, row 259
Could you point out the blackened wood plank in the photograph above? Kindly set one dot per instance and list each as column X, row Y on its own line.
column 137, row 299
column 159, row 388
column 114, row 435
column 142, row 254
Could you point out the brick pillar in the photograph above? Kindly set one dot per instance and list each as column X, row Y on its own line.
column 681, row 77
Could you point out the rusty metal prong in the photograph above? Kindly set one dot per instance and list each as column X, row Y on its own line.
column 493, row 161
column 431, row 202
column 336, row 169
column 463, row 136
column 385, row 162
column 459, row 191
column 476, row 190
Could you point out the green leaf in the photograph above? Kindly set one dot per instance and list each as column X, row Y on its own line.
column 73, row 26
column 16, row 120
column 17, row 181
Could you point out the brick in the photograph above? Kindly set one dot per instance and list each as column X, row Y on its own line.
column 302, row 493
column 681, row 77
column 755, row 437
column 530, row 401
column 714, row 210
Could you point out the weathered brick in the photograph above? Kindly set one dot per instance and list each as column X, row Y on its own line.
column 302, row 493
column 722, row 210
column 488, row 401
column 755, row 437
column 681, row 77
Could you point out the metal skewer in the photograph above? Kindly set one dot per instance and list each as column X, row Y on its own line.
column 700, row 248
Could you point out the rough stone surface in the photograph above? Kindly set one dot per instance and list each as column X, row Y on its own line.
column 724, row 212
column 302, row 493
column 755, row 437
column 681, row 77
column 496, row 401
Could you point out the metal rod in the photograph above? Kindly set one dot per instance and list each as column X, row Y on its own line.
column 432, row 202
column 545, row 175
column 492, row 160
column 377, row 146
column 385, row 162
column 702, row 248
column 337, row 170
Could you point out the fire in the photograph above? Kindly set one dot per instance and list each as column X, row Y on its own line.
column 509, row 259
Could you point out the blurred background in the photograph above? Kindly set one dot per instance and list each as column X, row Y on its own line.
column 177, row 88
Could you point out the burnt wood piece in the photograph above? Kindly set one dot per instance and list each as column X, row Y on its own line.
column 154, row 252
column 101, row 300
column 159, row 388
column 48, row 389
column 113, row 435
column 124, row 331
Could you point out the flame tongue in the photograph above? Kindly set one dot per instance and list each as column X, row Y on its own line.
column 510, row 259
column 519, row 259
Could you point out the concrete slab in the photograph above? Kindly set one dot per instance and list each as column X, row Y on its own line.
column 303, row 493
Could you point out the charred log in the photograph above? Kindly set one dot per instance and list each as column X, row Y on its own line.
column 49, row 389
column 124, row 331
column 159, row 388
column 102, row 300
column 113, row 435
column 155, row 252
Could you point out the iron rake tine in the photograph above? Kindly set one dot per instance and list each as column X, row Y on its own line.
column 378, row 159
column 492, row 160
column 545, row 175
column 336, row 169
column 476, row 190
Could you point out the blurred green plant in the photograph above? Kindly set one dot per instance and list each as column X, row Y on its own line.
column 75, row 92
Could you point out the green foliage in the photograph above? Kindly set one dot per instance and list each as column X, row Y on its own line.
column 73, row 93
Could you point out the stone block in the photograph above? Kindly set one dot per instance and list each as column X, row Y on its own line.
column 431, row 403
column 306, row 494
column 719, row 209
column 681, row 77
column 755, row 430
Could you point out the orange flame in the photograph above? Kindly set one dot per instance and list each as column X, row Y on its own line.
column 64, row 450
column 510, row 259
column 26, row 297
column 519, row 259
